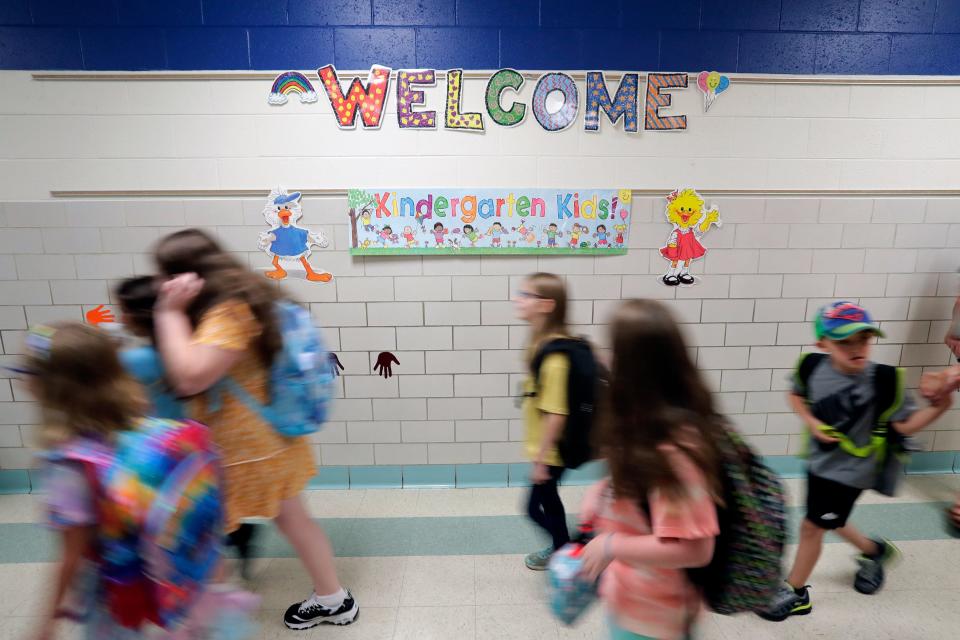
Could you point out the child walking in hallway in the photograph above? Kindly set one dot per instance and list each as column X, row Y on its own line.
column 656, row 515
column 854, row 409
column 542, row 302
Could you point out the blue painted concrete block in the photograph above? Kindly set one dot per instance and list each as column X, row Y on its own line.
column 359, row 48
column 787, row 466
column 135, row 49
column 575, row 13
column 587, row 474
column 543, row 49
column 619, row 49
column 777, row 53
column 429, row 476
column 921, row 54
column 853, row 53
column 39, row 48
column 281, row 48
column 759, row 15
column 819, row 15
column 168, row 13
column 458, row 48
column 14, row 481
column 679, row 14
column 519, row 474
column 898, row 16
column 331, row 478
column 698, row 51
column 930, row 462
column 207, row 48
column 376, row 477
column 329, row 13
column 948, row 18
column 15, row 12
column 74, row 13
column 482, row 475
column 498, row 13
column 246, row 13
column 424, row 13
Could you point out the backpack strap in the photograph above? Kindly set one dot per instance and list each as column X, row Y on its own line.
column 234, row 388
column 805, row 366
column 557, row 345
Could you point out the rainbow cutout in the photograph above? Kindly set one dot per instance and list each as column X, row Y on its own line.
column 291, row 82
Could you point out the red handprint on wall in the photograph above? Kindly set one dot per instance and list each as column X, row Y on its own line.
column 100, row 314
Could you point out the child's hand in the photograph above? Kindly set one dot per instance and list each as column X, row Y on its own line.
column 823, row 437
column 932, row 384
column 177, row 293
column 595, row 558
column 539, row 474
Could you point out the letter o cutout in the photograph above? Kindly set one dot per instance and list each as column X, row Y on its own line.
column 567, row 113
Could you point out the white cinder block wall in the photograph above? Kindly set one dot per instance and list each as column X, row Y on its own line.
column 449, row 320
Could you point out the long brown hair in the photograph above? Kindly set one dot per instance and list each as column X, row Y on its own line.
column 549, row 286
column 194, row 251
column 656, row 396
column 81, row 386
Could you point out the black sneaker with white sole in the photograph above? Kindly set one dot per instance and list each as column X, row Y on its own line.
column 310, row 613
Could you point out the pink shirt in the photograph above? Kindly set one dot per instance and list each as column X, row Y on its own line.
column 652, row 601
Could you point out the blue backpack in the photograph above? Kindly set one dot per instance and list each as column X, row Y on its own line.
column 300, row 380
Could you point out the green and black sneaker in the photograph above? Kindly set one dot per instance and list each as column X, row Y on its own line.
column 787, row 602
column 871, row 574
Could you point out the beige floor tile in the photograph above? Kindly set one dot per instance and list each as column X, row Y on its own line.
column 20, row 508
column 24, row 588
column 388, row 503
column 436, row 623
column 375, row 582
column 500, row 502
column 441, row 503
column 331, row 503
column 516, row 622
column 439, row 581
column 505, row 580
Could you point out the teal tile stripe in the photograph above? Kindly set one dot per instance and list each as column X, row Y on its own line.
column 481, row 535
column 497, row 475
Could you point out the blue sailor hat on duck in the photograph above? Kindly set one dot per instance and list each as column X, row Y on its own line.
column 286, row 199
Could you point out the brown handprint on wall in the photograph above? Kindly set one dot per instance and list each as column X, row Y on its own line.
column 384, row 364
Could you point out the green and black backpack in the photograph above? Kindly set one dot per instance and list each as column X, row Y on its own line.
column 886, row 443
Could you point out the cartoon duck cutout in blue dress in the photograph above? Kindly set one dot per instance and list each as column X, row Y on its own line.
column 286, row 241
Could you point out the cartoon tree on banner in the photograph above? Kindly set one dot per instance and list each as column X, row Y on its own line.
column 356, row 199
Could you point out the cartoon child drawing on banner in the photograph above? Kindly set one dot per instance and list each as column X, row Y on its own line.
column 366, row 215
column 387, row 235
column 575, row 234
column 552, row 233
column 409, row 237
column 690, row 223
column 286, row 240
column 602, row 236
column 438, row 233
column 619, row 228
column 496, row 234
column 471, row 234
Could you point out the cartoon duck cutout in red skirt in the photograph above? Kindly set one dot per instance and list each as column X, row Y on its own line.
column 690, row 223
column 286, row 241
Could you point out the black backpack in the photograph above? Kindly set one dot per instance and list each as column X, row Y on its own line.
column 583, row 384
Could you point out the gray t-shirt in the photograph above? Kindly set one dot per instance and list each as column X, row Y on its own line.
column 846, row 402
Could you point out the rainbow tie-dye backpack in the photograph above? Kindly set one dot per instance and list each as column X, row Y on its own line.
column 159, row 505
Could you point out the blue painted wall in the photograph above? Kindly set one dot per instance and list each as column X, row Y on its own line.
column 767, row 36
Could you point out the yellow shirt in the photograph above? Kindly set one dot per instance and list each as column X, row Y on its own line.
column 551, row 397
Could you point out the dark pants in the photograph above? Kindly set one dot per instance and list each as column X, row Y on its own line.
column 546, row 508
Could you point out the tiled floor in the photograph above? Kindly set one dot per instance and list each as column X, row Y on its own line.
column 492, row 596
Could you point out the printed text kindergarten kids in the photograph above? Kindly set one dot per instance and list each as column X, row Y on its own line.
column 477, row 221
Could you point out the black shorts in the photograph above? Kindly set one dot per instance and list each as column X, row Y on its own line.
column 829, row 503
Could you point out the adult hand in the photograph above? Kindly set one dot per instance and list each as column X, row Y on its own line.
column 954, row 344
column 595, row 558
column 384, row 364
column 100, row 314
column 177, row 293
column 335, row 366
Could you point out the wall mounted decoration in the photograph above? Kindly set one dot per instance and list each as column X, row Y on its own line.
column 100, row 315
column 711, row 85
column 686, row 211
column 488, row 221
column 292, row 82
column 287, row 241
column 369, row 99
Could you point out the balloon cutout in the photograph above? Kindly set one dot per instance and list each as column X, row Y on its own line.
column 711, row 84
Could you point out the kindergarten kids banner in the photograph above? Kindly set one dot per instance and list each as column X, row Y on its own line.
column 489, row 221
